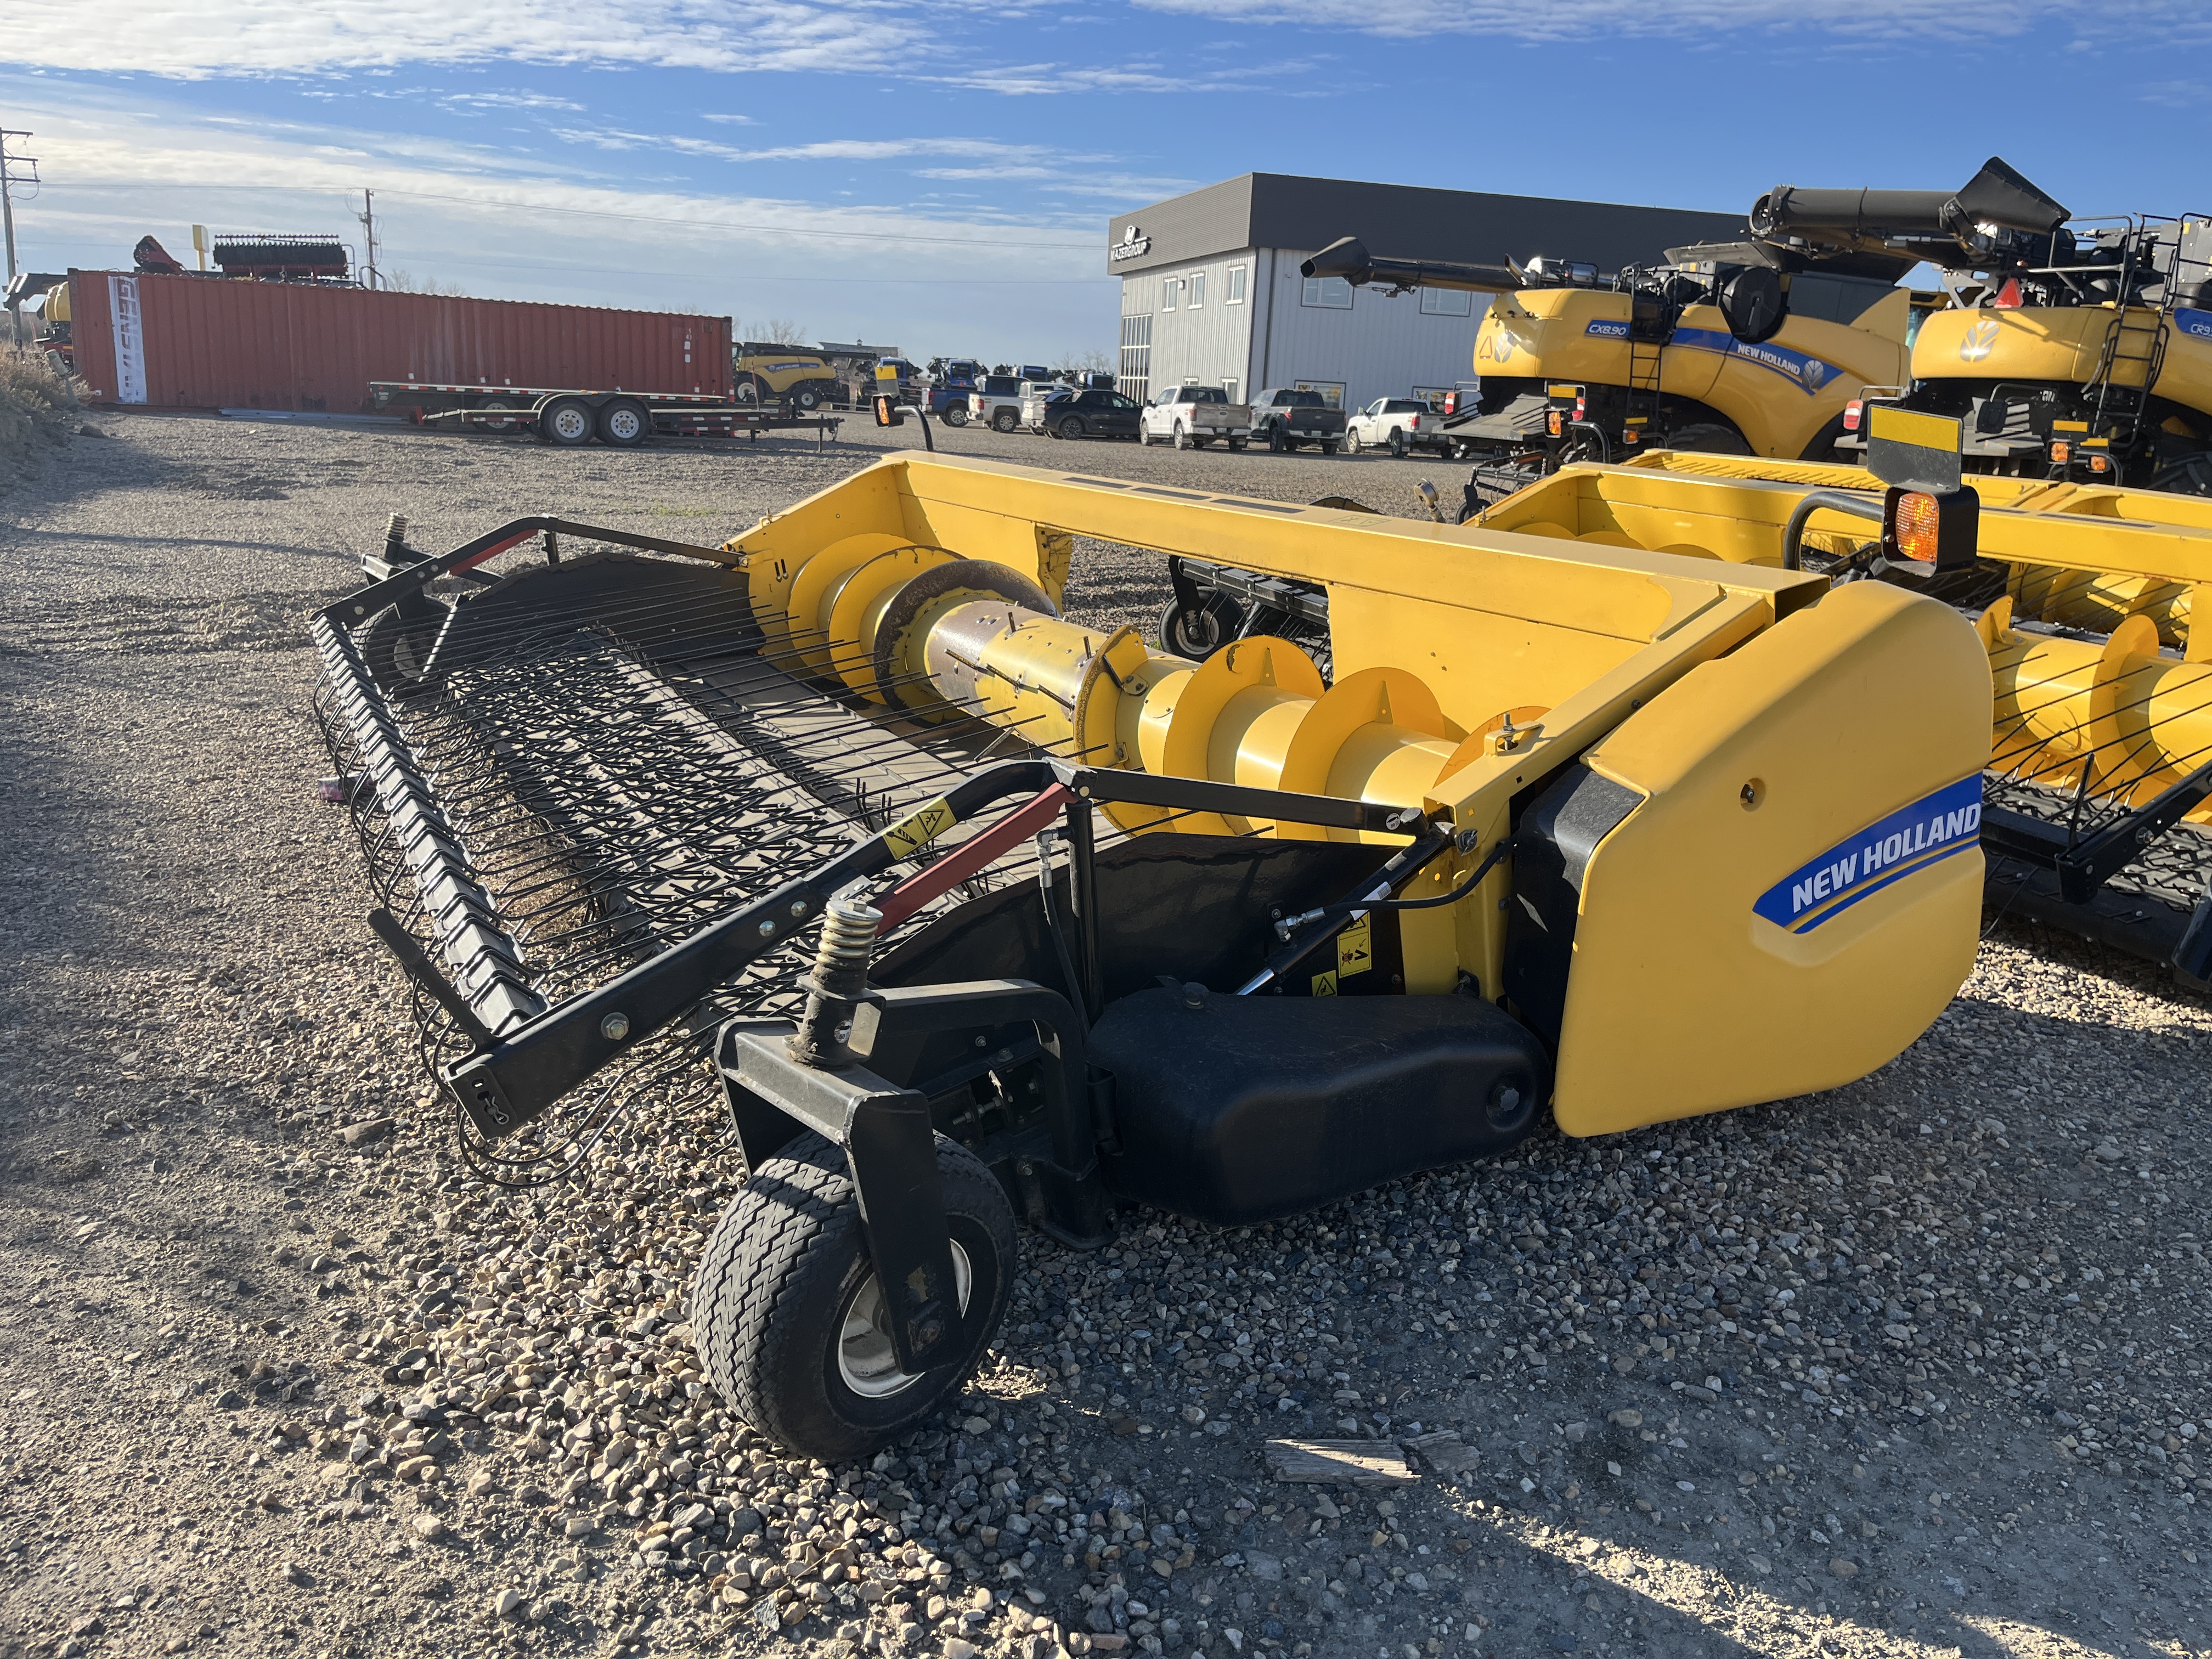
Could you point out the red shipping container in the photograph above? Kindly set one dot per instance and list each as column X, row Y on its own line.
column 224, row 342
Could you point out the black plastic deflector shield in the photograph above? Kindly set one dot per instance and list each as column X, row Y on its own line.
column 1244, row 1109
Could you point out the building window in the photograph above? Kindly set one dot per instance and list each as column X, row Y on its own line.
column 1197, row 289
column 1228, row 388
column 1167, row 292
column 1136, row 376
column 1329, row 293
column 1332, row 391
column 1235, row 294
column 1446, row 302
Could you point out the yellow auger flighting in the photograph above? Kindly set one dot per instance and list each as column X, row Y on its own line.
column 981, row 909
column 2088, row 599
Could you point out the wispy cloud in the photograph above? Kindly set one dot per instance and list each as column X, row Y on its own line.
column 197, row 39
column 1872, row 20
column 1038, row 79
column 515, row 100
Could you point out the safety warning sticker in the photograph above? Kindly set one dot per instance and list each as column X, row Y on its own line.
column 909, row 835
column 1931, row 829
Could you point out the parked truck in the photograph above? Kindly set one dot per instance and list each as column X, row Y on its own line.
column 1286, row 418
column 1193, row 416
column 1391, row 423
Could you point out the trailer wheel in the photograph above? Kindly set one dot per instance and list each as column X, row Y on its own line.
column 567, row 422
column 491, row 404
column 624, row 423
column 1006, row 420
column 956, row 414
column 785, row 1296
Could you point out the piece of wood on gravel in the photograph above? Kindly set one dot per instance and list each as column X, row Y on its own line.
column 1339, row 1463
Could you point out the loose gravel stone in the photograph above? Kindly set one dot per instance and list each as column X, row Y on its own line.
column 1938, row 1328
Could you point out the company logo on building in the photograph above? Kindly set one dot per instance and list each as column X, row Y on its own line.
column 1133, row 243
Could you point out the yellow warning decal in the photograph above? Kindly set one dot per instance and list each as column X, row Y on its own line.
column 1324, row 985
column 909, row 835
column 1355, row 947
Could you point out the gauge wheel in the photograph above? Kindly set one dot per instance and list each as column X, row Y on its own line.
column 395, row 650
column 788, row 1311
column 624, row 423
column 567, row 422
column 1006, row 420
column 1071, row 427
column 1197, row 633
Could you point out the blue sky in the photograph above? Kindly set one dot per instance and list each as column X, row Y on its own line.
column 940, row 176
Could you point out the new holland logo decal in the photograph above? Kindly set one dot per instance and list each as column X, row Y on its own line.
column 1979, row 340
column 1933, row 829
column 1808, row 373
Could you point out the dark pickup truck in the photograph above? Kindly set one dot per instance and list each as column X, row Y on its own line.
column 1283, row 419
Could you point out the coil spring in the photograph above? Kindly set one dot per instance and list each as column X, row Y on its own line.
column 849, row 941
column 395, row 530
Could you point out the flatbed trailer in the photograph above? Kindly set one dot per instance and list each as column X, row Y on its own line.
column 570, row 417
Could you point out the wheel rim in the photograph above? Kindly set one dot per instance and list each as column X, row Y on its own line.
column 866, row 1361
column 623, row 424
column 1071, row 429
column 569, row 424
column 498, row 425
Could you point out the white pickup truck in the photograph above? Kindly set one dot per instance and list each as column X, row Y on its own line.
column 1193, row 416
column 1392, row 424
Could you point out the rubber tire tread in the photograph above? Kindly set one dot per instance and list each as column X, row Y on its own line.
column 760, row 1257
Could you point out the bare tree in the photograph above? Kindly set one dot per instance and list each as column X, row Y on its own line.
column 776, row 331
column 1093, row 362
column 403, row 281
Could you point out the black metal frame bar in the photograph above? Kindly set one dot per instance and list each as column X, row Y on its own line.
column 532, row 1066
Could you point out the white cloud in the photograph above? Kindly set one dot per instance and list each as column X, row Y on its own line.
column 487, row 100
column 197, row 39
column 1038, row 79
column 1866, row 20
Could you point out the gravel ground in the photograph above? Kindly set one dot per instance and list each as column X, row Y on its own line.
column 1913, row 1368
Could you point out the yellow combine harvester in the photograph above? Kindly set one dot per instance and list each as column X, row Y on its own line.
column 2088, row 601
column 1759, row 347
column 969, row 909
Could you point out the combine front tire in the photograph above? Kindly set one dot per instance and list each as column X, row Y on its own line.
column 1709, row 438
column 787, row 1306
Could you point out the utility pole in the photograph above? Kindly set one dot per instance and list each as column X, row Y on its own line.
column 15, row 169
column 367, row 217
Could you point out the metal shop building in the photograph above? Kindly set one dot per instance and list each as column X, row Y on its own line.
column 1211, row 292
